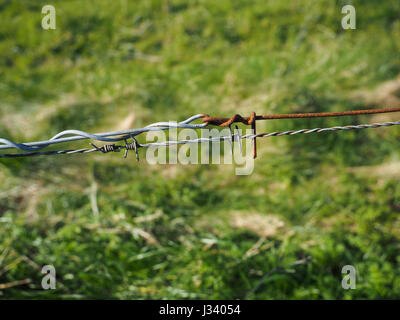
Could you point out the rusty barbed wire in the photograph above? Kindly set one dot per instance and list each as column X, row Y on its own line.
column 225, row 122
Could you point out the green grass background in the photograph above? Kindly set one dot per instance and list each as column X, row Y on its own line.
column 313, row 204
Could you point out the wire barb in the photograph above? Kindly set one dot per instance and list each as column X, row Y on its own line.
column 252, row 122
column 239, row 139
column 106, row 148
column 132, row 146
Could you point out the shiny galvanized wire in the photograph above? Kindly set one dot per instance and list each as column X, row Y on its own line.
column 74, row 135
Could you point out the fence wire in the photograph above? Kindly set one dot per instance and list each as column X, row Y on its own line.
column 115, row 136
column 31, row 149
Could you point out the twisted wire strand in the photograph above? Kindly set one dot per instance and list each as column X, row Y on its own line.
column 318, row 130
column 272, row 134
column 46, row 153
column 233, row 137
column 74, row 135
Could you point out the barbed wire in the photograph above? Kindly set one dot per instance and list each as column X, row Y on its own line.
column 75, row 135
column 232, row 137
column 114, row 136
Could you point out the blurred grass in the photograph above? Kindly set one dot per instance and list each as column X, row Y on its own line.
column 324, row 200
